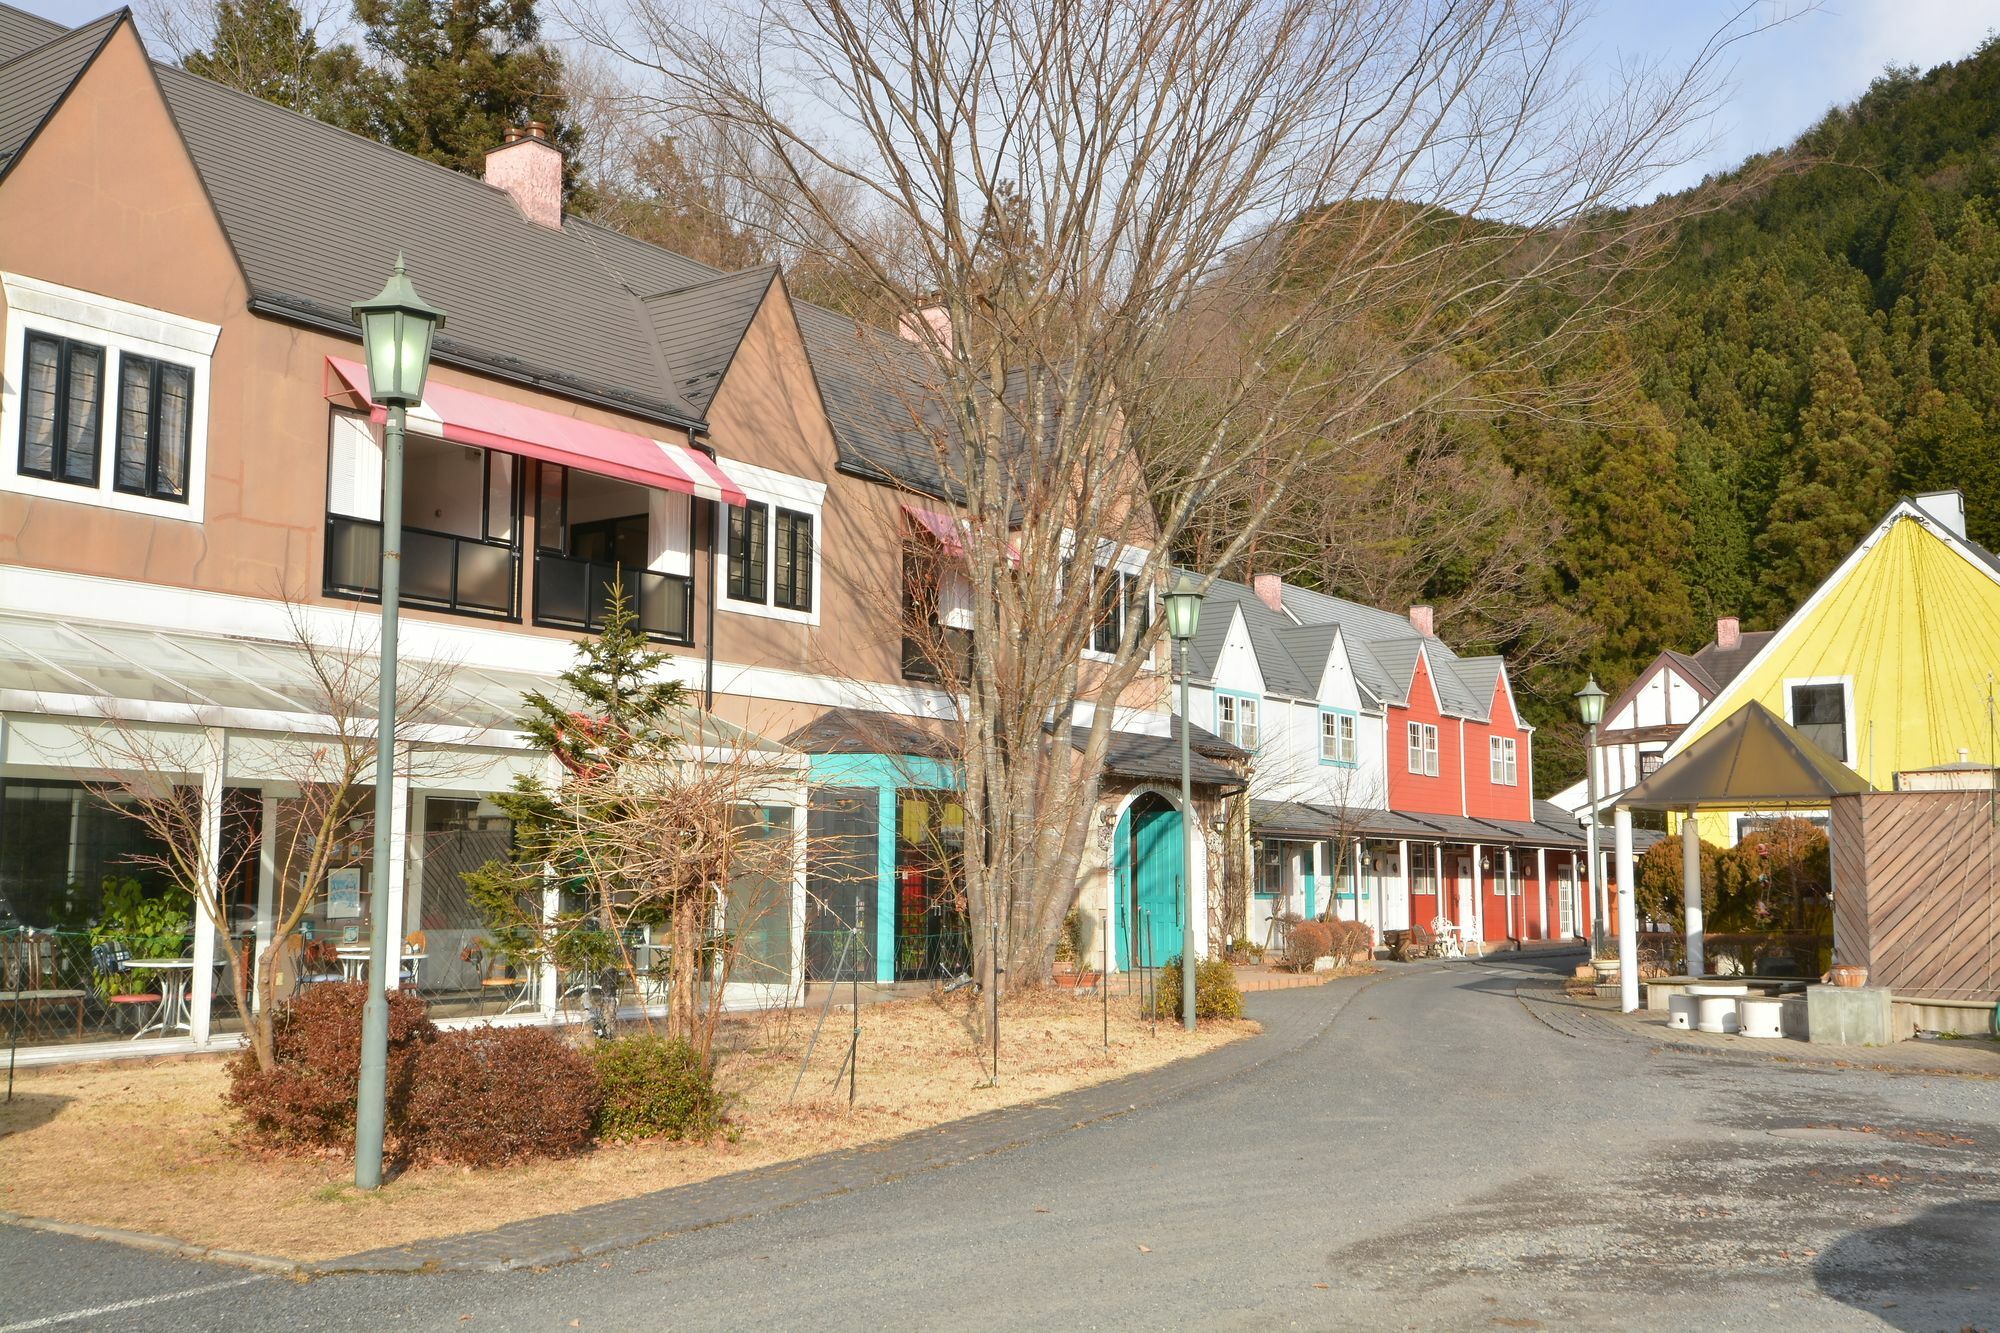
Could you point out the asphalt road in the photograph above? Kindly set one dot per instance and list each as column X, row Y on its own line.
column 1437, row 1159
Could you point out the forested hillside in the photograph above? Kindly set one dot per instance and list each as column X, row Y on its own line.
column 1830, row 343
column 1815, row 348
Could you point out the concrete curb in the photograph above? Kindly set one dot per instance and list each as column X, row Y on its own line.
column 167, row 1245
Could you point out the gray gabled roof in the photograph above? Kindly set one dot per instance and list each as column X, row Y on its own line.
column 21, row 31
column 876, row 388
column 1281, row 671
column 699, row 327
column 315, row 215
column 34, row 80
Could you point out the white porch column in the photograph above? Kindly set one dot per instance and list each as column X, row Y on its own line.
column 1478, row 922
column 1628, row 922
column 201, row 988
column 1575, row 891
column 1322, row 889
column 1354, row 857
column 545, row 979
column 267, row 887
column 1513, row 899
column 1403, row 872
column 1542, row 888
column 413, row 892
column 399, row 849
column 1691, row 892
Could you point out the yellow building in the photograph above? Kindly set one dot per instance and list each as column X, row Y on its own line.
column 1890, row 665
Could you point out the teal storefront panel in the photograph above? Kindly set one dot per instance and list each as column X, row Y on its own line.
column 886, row 774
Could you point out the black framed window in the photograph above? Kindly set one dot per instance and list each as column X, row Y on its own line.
column 1819, row 712
column 749, row 545
column 793, row 582
column 1114, row 605
column 62, row 408
column 155, row 422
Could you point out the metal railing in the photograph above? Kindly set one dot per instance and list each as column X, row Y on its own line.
column 577, row 594
column 440, row 569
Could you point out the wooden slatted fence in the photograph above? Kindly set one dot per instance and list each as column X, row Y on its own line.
column 1916, row 891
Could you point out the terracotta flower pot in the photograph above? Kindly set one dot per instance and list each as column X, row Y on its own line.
column 1850, row 975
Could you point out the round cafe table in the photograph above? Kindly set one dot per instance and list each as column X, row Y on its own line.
column 354, row 960
column 172, row 1015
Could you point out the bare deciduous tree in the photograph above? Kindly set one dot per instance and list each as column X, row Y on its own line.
column 324, row 769
column 1162, row 246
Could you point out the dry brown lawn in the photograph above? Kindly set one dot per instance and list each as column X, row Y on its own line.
column 148, row 1146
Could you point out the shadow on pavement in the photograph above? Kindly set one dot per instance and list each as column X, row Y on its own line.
column 1940, row 1268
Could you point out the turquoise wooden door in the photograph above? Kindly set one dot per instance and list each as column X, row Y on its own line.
column 1156, row 875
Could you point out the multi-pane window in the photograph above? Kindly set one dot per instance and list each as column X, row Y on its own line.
column 770, row 553
column 1820, row 714
column 155, row 421
column 62, row 407
column 749, row 544
column 792, row 572
column 1504, row 761
column 1423, row 758
column 1337, row 742
column 1115, row 607
column 1236, row 719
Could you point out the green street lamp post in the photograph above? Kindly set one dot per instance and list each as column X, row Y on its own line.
column 1183, row 614
column 1590, row 707
column 396, row 330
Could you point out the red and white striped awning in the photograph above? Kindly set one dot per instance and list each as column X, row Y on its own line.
column 948, row 532
column 471, row 418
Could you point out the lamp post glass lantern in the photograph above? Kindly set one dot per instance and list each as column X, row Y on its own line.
column 1183, row 616
column 1590, row 707
column 396, row 331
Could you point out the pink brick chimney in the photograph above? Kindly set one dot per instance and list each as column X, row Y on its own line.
column 1728, row 633
column 1420, row 620
column 1270, row 590
column 530, row 168
column 930, row 325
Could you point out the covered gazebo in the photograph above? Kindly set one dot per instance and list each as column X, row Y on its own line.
column 1752, row 760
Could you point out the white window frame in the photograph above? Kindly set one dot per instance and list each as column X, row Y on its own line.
column 1233, row 727
column 1130, row 561
column 1345, row 737
column 1503, row 761
column 119, row 327
column 1850, row 737
column 1422, row 759
column 776, row 490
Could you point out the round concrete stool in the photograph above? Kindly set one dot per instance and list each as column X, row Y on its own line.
column 1681, row 1012
column 1761, row 1016
column 1715, row 1006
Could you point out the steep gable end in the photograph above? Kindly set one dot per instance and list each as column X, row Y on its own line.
column 34, row 84
column 699, row 327
column 1910, row 620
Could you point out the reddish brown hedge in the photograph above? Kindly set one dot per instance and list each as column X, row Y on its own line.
column 307, row 1100
column 490, row 1096
column 1306, row 942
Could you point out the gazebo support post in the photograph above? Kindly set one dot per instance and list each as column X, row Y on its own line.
column 1628, row 912
column 1697, row 963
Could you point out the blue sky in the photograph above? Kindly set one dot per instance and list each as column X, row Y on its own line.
column 1782, row 79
